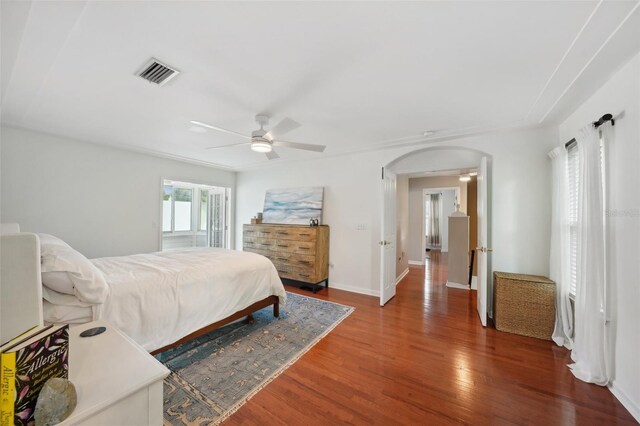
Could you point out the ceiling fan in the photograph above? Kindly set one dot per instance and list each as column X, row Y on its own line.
column 262, row 140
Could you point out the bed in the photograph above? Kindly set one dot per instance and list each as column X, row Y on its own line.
column 158, row 299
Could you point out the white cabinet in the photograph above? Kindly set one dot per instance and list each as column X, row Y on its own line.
column 118, row 382
column 458, row 268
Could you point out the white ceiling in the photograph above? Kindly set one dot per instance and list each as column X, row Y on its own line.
column 357, row 75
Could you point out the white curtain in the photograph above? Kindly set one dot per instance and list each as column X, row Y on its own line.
column 559, row 251
column 590, row 350
column 434, row 220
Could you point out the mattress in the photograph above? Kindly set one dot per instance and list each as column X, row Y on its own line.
column 158, row 298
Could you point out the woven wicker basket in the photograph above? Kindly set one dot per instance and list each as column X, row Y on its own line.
column 524, row 304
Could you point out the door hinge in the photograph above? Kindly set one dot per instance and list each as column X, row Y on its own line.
column 383, row 173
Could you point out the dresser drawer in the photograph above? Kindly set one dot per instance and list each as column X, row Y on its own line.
column 276, row 245
column 304, row 277
column 287, row 268
column 287, row 257
column 281, row 233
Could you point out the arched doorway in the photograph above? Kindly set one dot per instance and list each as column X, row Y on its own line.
column 431, row 161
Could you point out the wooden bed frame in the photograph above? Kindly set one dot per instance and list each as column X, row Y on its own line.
column 270, row 300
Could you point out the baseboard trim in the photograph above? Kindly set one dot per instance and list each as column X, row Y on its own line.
column 451, row 284
column 402, row 275
column 416, row 262
column 624, row 399
column 353, row 289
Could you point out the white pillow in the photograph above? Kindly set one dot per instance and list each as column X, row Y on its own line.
column 88, row 282
column 47, row 241
column 59, row 281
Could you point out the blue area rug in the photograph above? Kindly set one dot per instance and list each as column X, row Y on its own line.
column 214, row 375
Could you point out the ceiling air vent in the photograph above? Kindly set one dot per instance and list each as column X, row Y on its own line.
column 156, row 72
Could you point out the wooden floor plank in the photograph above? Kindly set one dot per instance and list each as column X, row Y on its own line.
column 425, row 359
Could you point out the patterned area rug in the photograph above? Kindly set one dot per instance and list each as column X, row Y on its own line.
column 214, row 375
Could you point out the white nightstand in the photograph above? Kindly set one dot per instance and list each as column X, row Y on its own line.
column 118, row 382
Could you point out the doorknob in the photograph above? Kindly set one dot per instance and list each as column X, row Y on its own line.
column 483, row 249
column 384, row 243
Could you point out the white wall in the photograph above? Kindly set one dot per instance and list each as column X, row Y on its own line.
column 520, row 201
column 620, row 96
column 84, row 193
column 416, row 210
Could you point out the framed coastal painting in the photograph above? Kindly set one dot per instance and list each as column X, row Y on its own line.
column 293, row 205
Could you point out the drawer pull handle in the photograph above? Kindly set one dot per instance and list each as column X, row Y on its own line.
column 303, row 248
column 281, row 258
column 265, row 244
column 283, row 245
column 306, row 262
column 304, row 235
column 282, row 233
column 305, row 275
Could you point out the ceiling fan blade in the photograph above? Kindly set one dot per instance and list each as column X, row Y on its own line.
column 283, row 127
column 272, row 155
column 220, row 129
column 227, row 146
column 296, row 145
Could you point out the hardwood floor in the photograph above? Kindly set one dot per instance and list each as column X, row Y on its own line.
column 425, row 359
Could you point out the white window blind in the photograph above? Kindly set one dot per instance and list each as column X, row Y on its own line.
column 572, row 177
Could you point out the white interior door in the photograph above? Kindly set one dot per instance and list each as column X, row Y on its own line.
column 481, row 250
column 388, row 239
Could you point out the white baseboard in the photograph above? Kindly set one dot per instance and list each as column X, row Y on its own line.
column 353, row 289
column 633, row 407
column 451, row 284
column 416, row 262
column 402, row 275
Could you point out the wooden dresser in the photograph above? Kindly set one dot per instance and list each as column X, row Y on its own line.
column 299, row 252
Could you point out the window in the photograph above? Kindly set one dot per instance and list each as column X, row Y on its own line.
column 182, row 209
column 573, row 164
column 176, row 209
column 204, row 208
column 167, row 208
column 572, row 177
column 194, row 215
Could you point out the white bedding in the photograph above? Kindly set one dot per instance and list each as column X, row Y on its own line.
column 66, row 314
column 158, row 298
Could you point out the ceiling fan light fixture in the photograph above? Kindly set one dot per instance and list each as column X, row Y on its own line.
column 261, row 146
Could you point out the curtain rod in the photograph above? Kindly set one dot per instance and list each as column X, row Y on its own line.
column 596, row 124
